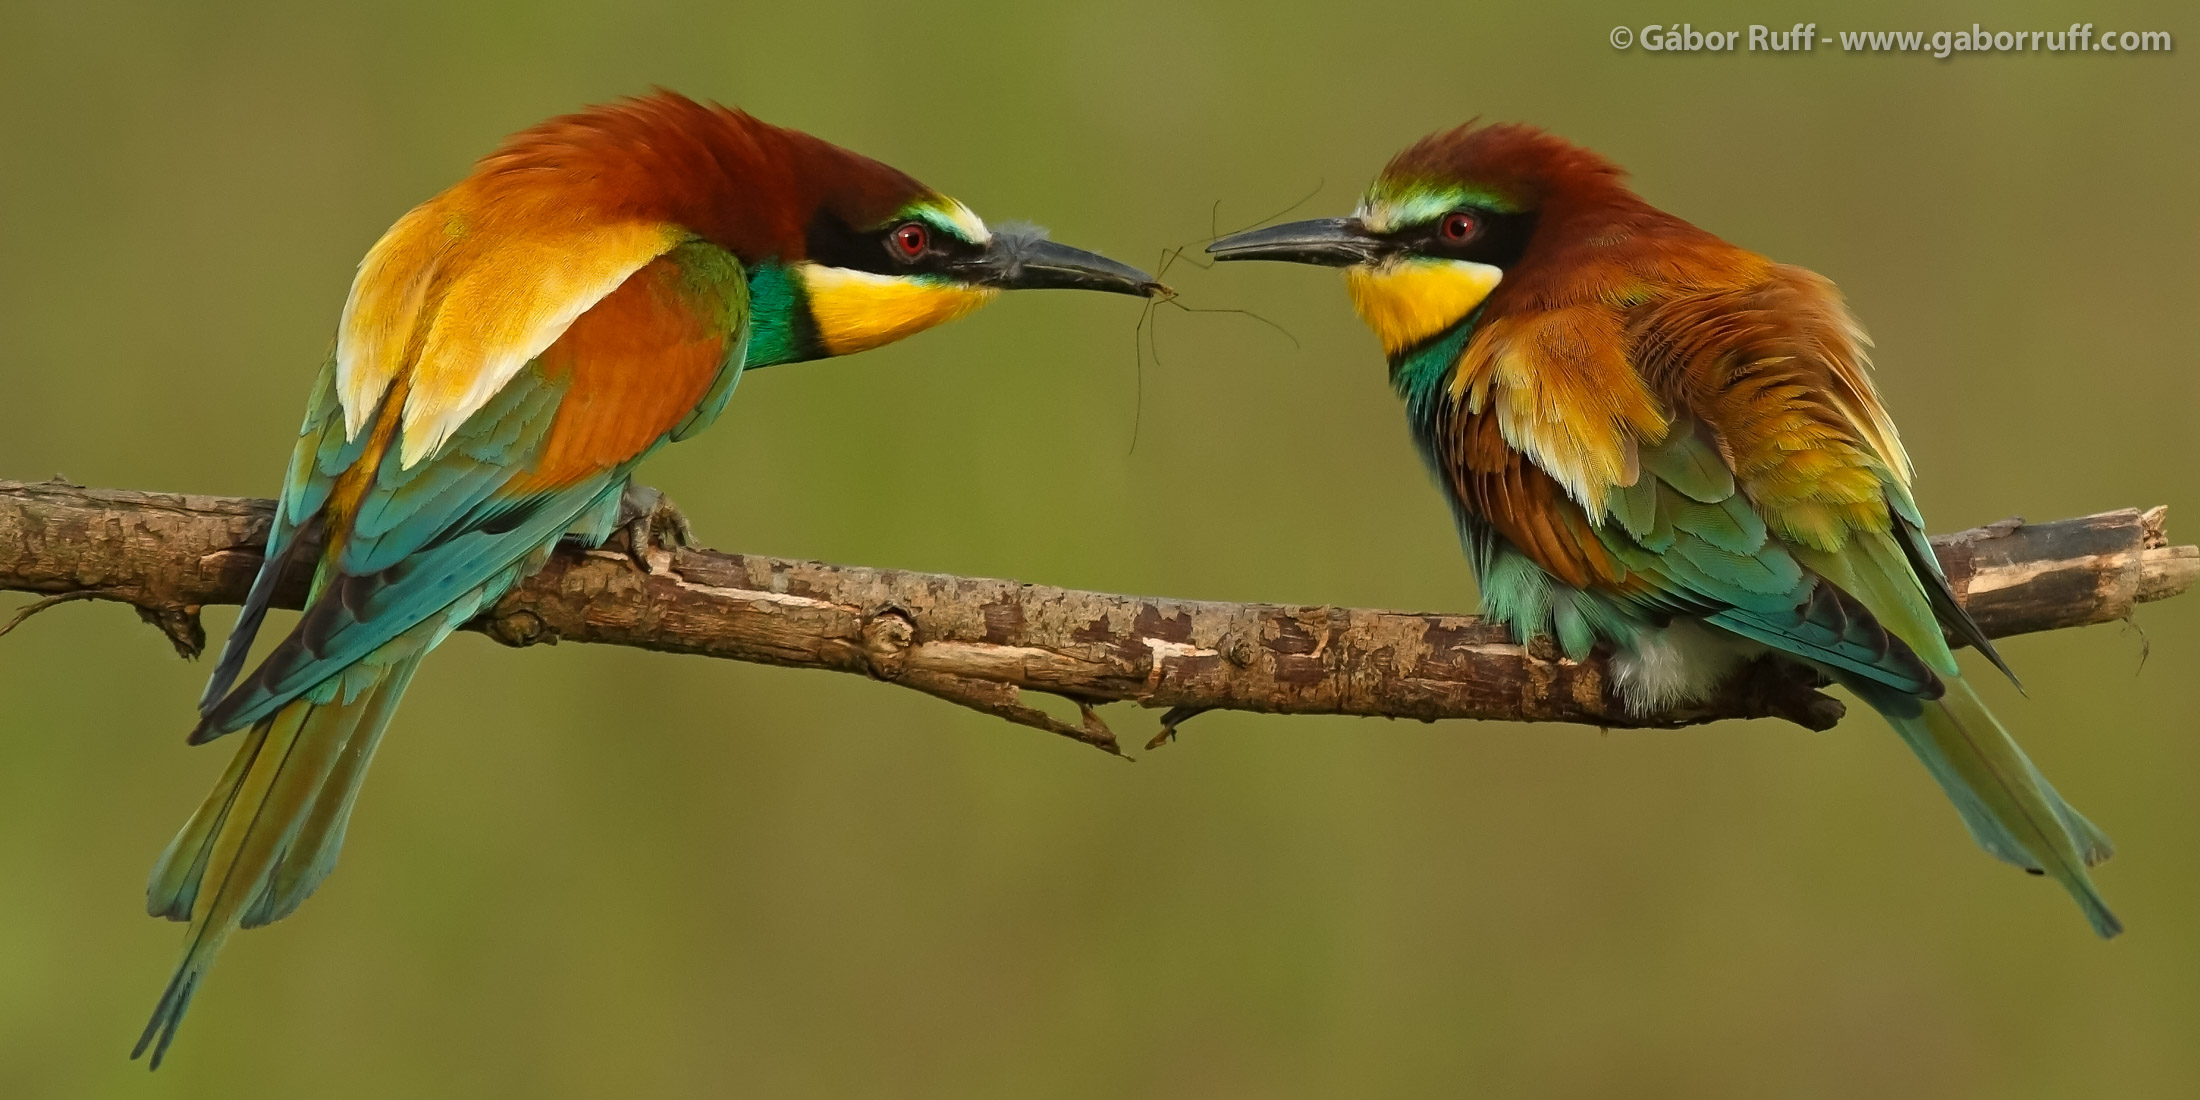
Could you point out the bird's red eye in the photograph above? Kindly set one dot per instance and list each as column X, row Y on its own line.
column 911, row 240
column 1458, row 226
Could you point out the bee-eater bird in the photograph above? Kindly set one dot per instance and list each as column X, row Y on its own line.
column 510, row 350
column 1659, row 443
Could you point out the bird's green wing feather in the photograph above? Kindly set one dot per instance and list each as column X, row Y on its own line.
column 1693, row 539
column 423, row 536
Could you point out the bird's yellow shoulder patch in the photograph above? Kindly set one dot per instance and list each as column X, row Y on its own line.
column 1564, row 395
column 1409, row 299
column 462, row 292
column 859, row 310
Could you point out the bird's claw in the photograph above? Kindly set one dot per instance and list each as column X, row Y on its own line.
column 1785, row 689
column 651, row 524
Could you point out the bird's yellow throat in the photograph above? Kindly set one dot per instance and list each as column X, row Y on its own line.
column 859, row 310
column 1409, row 299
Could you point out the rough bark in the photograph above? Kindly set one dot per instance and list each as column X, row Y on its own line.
column 981, row 642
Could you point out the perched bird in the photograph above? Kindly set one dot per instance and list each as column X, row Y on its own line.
column 510, row 351
column 1659, row 443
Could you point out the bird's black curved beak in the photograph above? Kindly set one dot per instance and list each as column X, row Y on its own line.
column 1027, row 261
column 1329, row 242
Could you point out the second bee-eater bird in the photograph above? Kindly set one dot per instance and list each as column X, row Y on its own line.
column 510, row 350
column 1667, row 446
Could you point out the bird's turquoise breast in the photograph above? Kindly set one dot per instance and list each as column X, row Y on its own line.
column 780, row 329
column 1421, row 374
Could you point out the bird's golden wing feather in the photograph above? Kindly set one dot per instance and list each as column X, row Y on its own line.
column 467, row 288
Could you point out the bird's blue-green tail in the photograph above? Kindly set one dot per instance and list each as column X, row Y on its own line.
column 270, row 831
column 2011, row 810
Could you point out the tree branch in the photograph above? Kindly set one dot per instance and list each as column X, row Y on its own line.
column 981, row 642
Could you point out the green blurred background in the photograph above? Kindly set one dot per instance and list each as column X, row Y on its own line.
column 594, row 872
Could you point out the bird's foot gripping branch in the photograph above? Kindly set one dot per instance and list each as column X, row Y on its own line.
column 981, row 643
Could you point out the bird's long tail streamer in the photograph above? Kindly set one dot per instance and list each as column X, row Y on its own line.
column 2010, row 808
column 269, row 832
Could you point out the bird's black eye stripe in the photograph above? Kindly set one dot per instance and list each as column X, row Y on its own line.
column 1490, row 237
column 836, row 244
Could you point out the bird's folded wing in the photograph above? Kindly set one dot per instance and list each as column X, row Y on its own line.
column 1689, row 539
column 464, row 290
column 554, row 439
column 1781, row 491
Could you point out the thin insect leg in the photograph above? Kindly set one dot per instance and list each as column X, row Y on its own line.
column 1301, row 201
column 1138, row 358
column 1226, row 309
column 1146, row 334
column 1153, row 339
column 1149, row 323
column 1181, row 252
column 1170, row 256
